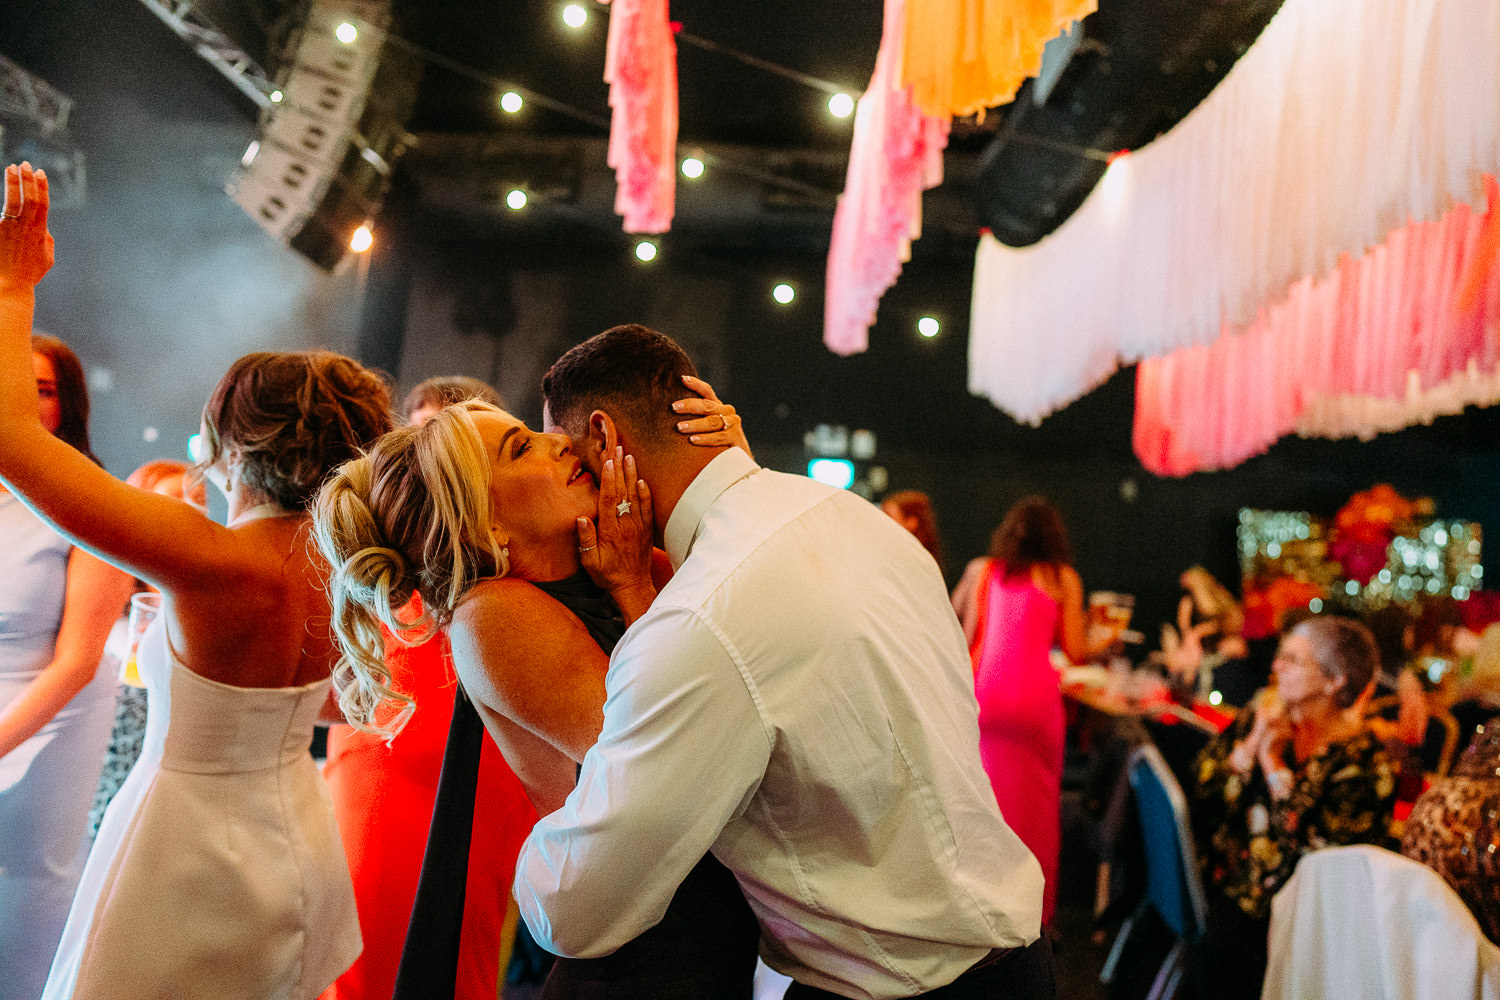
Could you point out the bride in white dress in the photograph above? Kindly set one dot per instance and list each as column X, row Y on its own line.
column 218, row 869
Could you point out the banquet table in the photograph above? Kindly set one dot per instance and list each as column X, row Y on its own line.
column 1139, row 694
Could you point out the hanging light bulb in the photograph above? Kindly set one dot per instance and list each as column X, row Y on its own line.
column 645, row 251
column 511, row 102
column 692, row 167
column 515, row 200
column 784, row 293
column 574, row 16
column 841, row 105
column 362, row 240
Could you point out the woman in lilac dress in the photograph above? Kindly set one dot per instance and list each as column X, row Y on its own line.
column 1018, row 603
column 57, row 603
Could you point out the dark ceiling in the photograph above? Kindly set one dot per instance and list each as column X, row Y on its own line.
column 750, row 98
column 160, row 265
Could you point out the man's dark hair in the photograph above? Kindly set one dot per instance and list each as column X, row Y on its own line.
column 631, row 372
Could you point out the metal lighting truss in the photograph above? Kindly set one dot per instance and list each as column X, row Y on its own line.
column 34, row 126
column 218, row 49
column 36, row 101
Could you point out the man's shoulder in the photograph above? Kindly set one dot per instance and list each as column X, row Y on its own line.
column 769, row 495
column 770, row 524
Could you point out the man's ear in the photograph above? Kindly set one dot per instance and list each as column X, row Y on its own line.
column 603, row 435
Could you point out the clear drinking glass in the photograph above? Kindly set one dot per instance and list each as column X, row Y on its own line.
column 144, row 609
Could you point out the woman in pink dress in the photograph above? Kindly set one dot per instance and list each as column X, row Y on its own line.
column 1017, row 604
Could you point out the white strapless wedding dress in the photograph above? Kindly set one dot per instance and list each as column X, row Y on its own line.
column 218, row 870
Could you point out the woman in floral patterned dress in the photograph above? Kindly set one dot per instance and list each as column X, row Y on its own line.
column 1298, row 771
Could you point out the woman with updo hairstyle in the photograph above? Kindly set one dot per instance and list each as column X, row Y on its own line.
column 384, row 791
column 493, row 526
column 1297, row 771
column 217, row 870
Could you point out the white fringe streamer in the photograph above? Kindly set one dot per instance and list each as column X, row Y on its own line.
column 1346, row 119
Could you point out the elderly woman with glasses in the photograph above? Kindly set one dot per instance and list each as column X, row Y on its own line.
column 1298, row 771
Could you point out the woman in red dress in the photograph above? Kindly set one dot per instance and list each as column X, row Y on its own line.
column 383, row 795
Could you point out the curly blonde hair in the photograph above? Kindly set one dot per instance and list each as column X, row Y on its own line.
column 411, row 516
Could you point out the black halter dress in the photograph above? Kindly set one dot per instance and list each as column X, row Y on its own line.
column 704, row 946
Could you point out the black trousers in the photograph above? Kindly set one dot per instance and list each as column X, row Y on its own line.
column 1023, row 974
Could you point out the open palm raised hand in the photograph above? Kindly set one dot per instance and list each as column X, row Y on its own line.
column 26, row 247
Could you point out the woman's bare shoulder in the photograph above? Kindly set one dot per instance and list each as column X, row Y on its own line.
column 506, row 603
column 1058, row 580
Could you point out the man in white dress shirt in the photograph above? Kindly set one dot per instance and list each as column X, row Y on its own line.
column 799, row 700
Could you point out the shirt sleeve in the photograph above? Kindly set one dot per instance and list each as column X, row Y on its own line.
column 682, row 751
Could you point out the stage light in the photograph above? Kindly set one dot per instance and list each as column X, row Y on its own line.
column 511, row 102
column 835, row 472
column 574, row 16
column 784, row 293
column 692, row 167
column 328, row 148
column 928, row 326
column 515, row 200
column 841, row 105
column 645, row 251
column 362, row 240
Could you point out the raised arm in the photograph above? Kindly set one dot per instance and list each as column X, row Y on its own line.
column 682, row 751
column 154, row 537
column 92, row 601
column 1072, row 626
column 708, row 421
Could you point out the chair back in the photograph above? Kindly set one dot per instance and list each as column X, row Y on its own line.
column 1361, row 921
column 1173, row 886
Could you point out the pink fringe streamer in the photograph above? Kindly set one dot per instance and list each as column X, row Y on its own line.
column 897, row 153
column 640, row 66
column 1398, row 336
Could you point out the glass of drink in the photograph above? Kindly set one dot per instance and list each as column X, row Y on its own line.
column 144, row 608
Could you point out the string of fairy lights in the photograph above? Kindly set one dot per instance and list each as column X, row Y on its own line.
column 693, row 163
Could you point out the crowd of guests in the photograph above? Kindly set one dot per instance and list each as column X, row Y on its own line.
column 735, row 750
column 1307, row 762
column 694, row 712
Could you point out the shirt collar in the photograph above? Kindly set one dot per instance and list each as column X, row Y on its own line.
column 728, row 467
